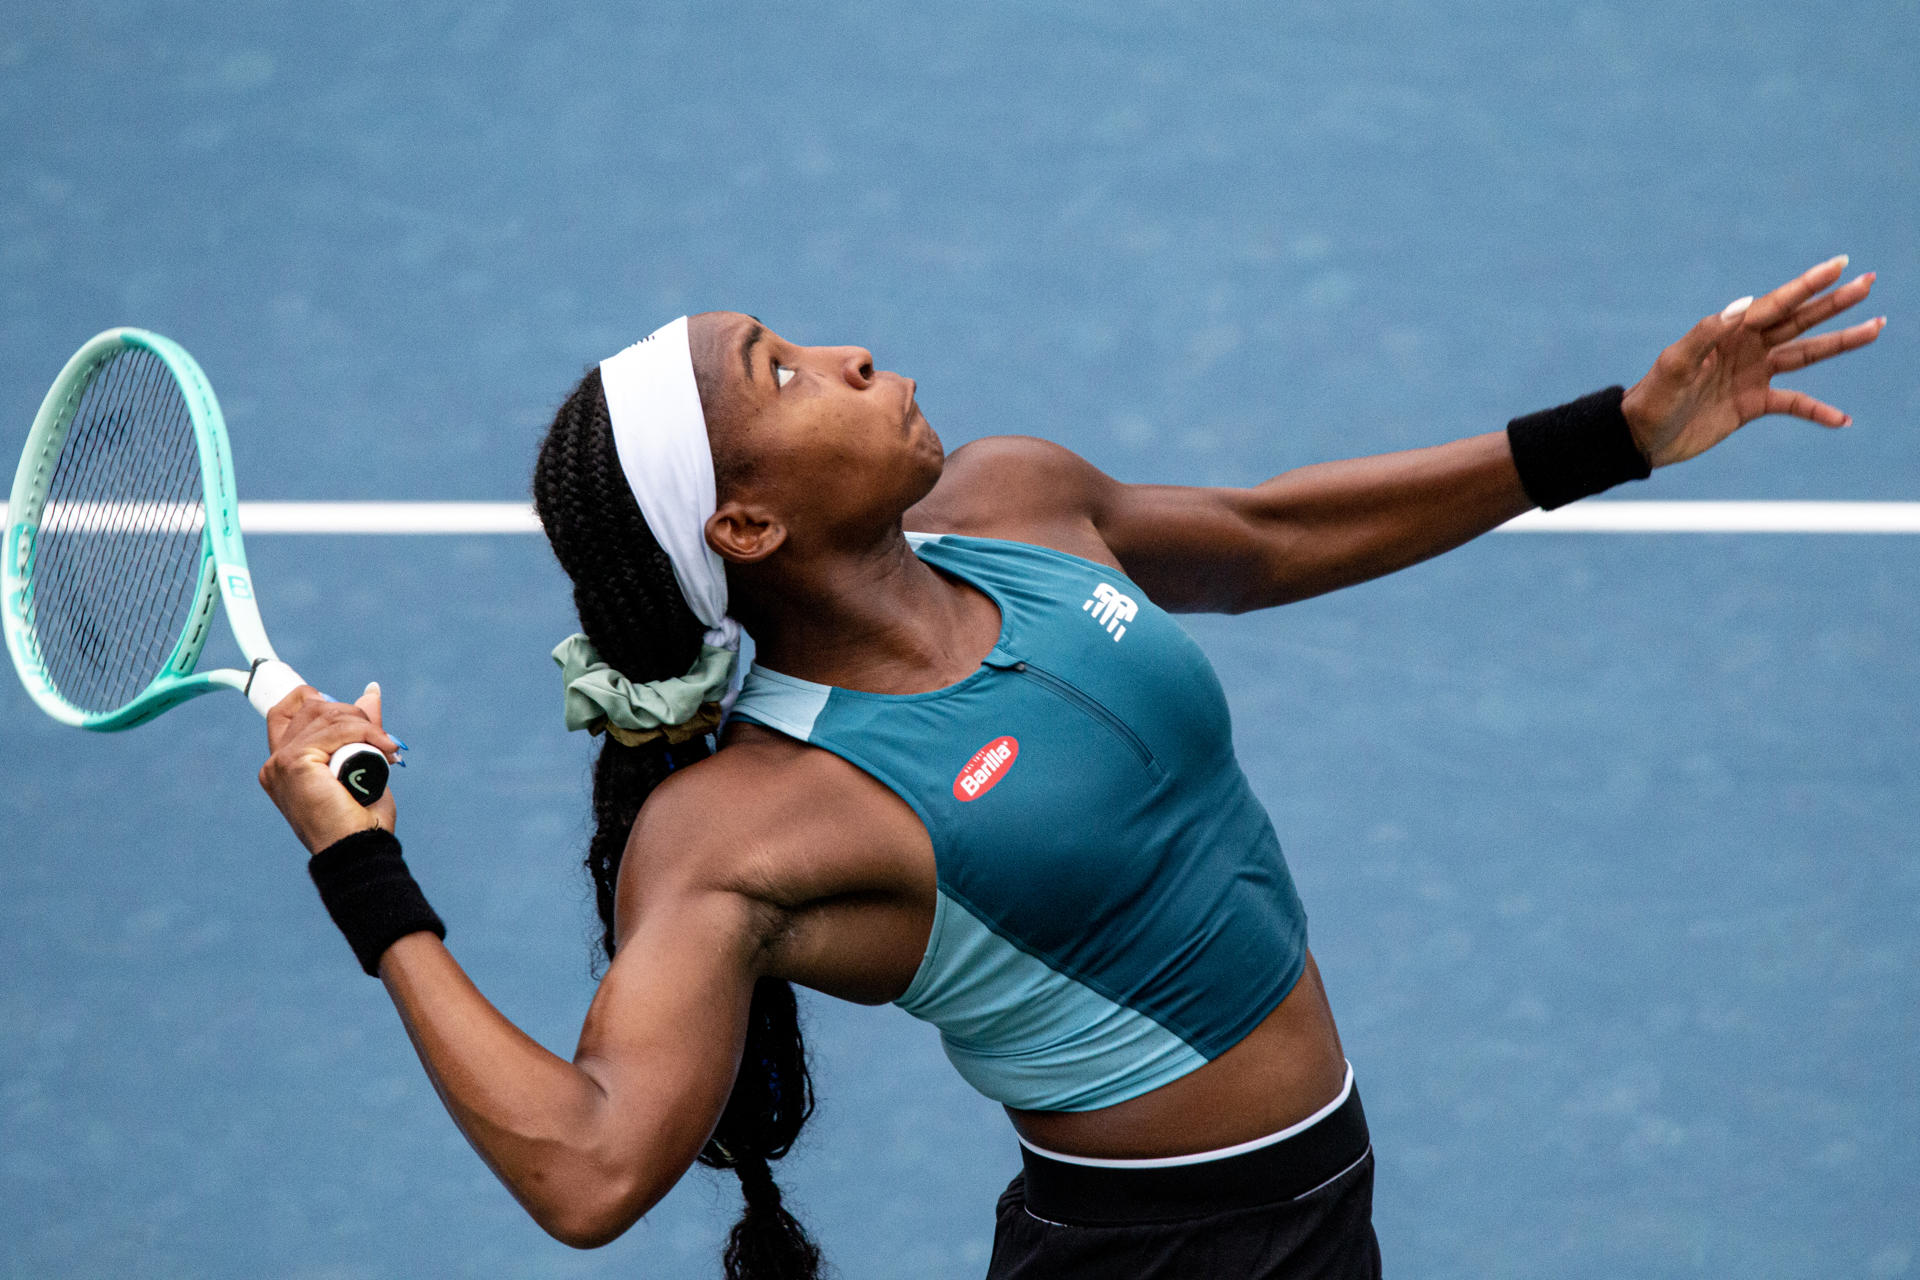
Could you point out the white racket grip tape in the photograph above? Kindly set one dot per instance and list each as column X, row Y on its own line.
column 272, row 681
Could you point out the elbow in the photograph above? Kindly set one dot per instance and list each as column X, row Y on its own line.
column 585, row 1182
column 586, row 1226
column 584, row 1233
column 595, row 1216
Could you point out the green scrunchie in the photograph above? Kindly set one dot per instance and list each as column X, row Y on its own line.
column 600, row 699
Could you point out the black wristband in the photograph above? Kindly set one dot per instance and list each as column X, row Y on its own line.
column 1577, row 449
column 371, row 895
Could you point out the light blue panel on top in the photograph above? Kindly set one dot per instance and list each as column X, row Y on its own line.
column 1078, row 1049
column 784, row 703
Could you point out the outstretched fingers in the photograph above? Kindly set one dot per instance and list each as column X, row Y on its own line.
column 1799, row 404
column 1784, row 301
column 1798, row 355
column 1821, row 309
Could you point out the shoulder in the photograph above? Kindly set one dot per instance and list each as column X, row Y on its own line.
column 766, row 818
column 1017, row 486
column 998, row 470
column 1023, row 452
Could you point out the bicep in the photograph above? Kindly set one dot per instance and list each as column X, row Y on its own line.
column 1193, row 550
column 1190, row 549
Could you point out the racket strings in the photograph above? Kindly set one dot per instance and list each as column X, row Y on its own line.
column 148, row 526
column 112, row 530
column 118, row 559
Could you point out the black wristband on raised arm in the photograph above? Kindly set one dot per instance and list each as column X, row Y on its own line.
column 371, row 895
column 1565, row 454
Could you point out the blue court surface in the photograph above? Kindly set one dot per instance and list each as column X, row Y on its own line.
column 1607, row 840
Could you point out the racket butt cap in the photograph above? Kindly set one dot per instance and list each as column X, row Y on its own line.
column 362, row 770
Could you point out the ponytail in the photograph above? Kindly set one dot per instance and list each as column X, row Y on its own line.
column 631, row 609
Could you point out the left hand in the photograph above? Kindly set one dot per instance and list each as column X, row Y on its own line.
column 1706, row 386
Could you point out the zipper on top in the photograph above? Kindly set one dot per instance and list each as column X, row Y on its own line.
column 1071, row 693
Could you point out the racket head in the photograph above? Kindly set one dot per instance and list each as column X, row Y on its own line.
column 123, row 534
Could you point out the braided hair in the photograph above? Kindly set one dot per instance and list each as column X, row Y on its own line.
column 632, row 610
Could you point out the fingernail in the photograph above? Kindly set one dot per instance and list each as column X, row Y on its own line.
column 1843, row 260
column 373, row 686
column 1735, row 307
column 403, row 745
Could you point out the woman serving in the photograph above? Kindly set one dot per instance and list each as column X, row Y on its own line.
column 975, row 770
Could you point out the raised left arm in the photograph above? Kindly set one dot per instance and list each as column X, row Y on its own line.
column 1333, row 524
column 1198, row 550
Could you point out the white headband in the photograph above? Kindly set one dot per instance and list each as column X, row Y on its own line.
column 660, row 434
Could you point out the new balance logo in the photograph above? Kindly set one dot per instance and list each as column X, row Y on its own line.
column 989, row 764
column 1111, row 610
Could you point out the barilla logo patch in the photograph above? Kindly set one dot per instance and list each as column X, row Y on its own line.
column 989, row 764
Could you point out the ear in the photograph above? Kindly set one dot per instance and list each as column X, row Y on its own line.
column 744, row 532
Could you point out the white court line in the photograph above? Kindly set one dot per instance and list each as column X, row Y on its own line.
column 1601, row 516
column 1589, row 517
column 1722, row 517
column 387, row 517
column 302, row 517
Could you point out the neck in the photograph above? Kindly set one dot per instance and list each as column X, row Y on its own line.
column 881, row 620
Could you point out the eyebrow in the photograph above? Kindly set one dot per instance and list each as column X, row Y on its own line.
column 754, row 335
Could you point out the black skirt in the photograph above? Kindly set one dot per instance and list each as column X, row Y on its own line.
column 1297, row 1208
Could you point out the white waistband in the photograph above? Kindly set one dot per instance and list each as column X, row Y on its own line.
column 1202, row 1157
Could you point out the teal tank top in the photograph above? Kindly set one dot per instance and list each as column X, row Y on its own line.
column 1113, row 907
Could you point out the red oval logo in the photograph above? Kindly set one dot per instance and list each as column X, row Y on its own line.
column 989, row 764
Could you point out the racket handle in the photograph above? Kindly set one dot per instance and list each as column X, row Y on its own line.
column 269, row 682
column 362, row 770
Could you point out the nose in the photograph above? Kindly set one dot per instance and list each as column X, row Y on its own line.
column 856, row 366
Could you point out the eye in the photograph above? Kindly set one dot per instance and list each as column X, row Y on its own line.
column 782, row 375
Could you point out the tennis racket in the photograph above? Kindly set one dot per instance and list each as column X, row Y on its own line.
column 123, row 534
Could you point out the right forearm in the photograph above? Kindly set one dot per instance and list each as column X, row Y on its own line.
column 539, row 1122
column 586, row 1146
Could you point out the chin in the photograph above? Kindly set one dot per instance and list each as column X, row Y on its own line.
column 936, row 453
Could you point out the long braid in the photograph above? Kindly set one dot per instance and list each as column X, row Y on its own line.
column 632, row 610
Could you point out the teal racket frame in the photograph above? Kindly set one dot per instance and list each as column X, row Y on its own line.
column 224, row 576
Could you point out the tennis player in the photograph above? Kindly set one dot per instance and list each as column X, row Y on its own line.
column 976, row 770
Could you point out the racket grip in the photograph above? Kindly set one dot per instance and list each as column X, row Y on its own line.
column 268, row 684
column 362, row 770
